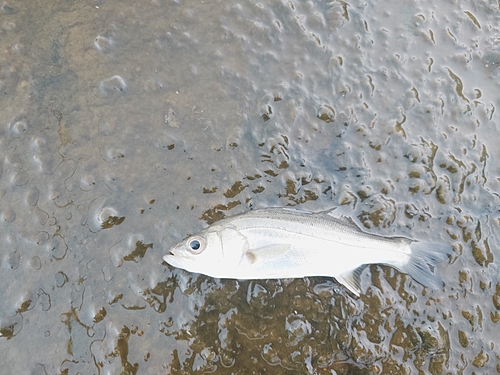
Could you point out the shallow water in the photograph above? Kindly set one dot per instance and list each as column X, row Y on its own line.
column 125, row 126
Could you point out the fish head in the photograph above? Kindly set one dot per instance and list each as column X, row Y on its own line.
column 218, row 251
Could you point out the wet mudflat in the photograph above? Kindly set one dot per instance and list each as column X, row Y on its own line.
column 125, row 126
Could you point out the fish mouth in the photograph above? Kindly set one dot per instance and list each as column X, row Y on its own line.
column 175, row 259
column 172, row 254
column 171, row 259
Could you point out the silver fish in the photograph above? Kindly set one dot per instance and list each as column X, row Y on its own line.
column 276, row 243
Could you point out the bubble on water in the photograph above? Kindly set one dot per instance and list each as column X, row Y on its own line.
column 10, row 326
column 38, row 144
column 18, row 128
column 27, row 301
column 41, row 238
column 40, row 217
column 102, row 43
column 61, row 279
column 101, row 216
column 36, row 263
column 44, row 300
column 8, row 216
column 107, row 272
column 8, row 25
column 93, row 220
column 8, row 9
column 326, row 113
column 153, row 84
column 111, row 154
column 88, row 310
column 87, row 182
column 57, row 247
column 32, row 196
column 20, row 178
column 171, row 119
column 112, row 122
column 112, row 86
column 111, row 181
column 164, row 142
column 65, row 170
column 13, row 260
column 47, row 163
column 14, row 161
column 9, row 239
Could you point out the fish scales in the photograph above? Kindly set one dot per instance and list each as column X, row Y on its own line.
column 316, row 243
column 286, row 243
column 308, row 224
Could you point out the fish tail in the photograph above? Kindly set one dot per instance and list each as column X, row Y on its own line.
column 423, row 260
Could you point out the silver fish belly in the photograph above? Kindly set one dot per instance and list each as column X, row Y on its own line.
column 283, row 243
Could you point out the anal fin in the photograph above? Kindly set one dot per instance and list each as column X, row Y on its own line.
column 351, row 280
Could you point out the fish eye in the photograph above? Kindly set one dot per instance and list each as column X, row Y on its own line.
column 196, row 244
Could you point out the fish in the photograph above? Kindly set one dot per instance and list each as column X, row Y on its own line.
column 275, row 243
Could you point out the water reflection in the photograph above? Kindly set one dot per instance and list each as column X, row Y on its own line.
column 301, row 325
column 126, row 128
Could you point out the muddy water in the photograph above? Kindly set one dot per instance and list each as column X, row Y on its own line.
column 125, row 126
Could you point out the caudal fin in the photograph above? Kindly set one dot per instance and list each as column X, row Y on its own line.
column 423, row 260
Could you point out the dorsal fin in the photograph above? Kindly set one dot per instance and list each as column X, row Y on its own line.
column 344, row 215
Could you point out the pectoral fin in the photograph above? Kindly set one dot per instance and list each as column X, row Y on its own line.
column 267, row 252
column 350, row 279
